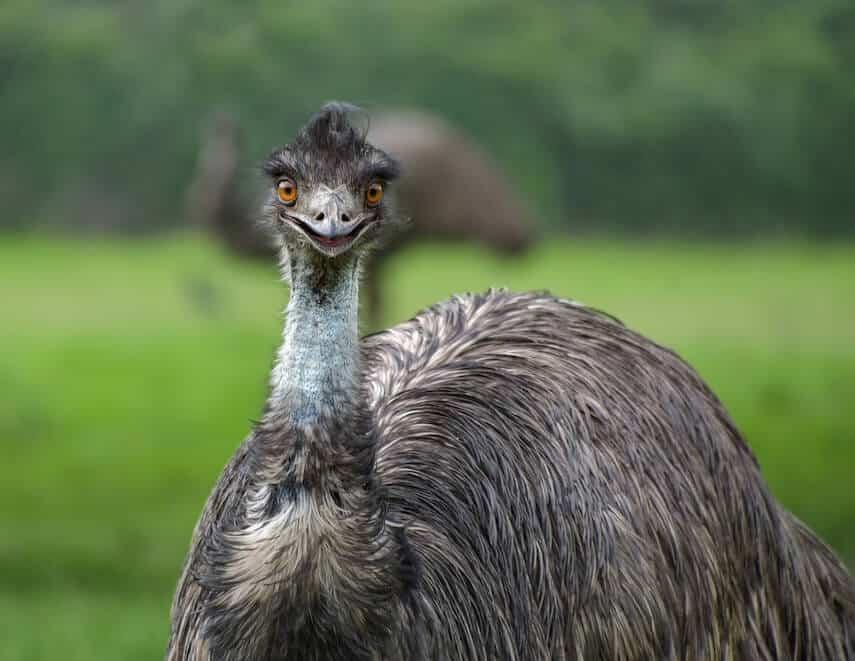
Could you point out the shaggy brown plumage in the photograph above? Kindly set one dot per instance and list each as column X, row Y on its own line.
column 506, row 476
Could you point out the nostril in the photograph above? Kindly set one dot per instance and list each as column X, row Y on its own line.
column 345, row 218
column 320, row 216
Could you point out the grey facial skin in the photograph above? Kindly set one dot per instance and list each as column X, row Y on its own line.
column 505, row 476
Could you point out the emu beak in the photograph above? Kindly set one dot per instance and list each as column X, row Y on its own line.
column 331, row 221
column 328, row 215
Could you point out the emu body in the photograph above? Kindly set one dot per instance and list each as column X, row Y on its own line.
column 506, row 476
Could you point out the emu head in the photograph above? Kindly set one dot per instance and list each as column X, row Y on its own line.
column 328, row 186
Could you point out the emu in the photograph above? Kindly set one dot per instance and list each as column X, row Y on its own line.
column 213, row 199
column 505, row 476
column 477, row 201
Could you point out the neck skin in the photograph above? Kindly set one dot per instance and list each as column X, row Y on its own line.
column 317, row 369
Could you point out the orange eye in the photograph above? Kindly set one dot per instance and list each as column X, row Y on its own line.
column 287, row 191
column 374, row 193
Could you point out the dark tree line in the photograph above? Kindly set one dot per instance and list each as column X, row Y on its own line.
column 701, row 116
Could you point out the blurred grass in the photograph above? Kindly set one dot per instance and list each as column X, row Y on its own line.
column 130, row 371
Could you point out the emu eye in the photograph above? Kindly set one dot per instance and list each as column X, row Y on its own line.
column 374, row 193
column 287, row 191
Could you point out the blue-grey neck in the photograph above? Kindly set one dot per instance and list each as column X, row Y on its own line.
column 317, row 367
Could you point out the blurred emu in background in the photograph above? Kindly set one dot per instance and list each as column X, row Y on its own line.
column 213, row 199
column 450, row 189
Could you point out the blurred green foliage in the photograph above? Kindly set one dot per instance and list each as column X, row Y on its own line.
column 131, row 371
column 674, row 115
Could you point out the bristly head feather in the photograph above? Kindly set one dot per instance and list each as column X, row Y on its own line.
column 332, row 150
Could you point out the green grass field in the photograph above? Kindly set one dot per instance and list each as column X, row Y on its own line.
column 130, row 371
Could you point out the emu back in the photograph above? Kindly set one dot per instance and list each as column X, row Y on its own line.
column 522, row 478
